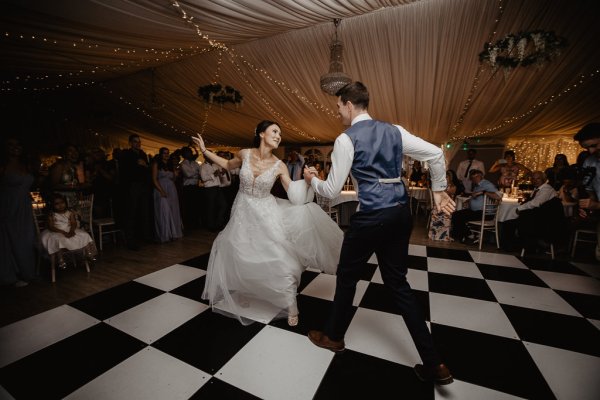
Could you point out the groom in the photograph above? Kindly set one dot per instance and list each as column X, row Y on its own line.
column 372, row 151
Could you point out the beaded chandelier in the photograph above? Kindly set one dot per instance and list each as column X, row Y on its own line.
column 335, row 79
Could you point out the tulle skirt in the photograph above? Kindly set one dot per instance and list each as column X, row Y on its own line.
column 257, row 260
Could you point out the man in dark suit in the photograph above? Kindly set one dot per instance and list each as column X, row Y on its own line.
column 135, row 180
column 372, row 151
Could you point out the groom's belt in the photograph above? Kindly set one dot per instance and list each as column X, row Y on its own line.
column 390, row 180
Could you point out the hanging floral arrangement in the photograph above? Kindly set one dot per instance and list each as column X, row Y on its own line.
column 524, row 48
column 216, row 93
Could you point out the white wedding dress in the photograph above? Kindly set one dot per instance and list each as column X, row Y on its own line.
column 256, row 262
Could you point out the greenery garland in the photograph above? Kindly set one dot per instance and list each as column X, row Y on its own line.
column 219, row 94
column 512, row 50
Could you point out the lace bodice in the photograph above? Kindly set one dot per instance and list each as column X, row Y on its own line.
column 262, row 184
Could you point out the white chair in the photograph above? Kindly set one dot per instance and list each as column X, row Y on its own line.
column 488, row 221
column 84, row 209
column 582, row 235
column 106, row 225
column 325, row 204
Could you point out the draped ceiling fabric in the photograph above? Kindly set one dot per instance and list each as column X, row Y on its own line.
column 419, row 60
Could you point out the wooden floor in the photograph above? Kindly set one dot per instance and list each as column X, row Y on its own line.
column 119, row 265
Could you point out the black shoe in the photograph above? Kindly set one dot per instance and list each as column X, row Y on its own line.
column 439, row 374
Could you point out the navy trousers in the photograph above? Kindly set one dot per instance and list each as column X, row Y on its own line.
column 386, row 233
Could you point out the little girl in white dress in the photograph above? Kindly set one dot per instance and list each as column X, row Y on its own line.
column 63, row 232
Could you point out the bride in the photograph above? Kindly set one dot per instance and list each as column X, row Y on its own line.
column 256, row 262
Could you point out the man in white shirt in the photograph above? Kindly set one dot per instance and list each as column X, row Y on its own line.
column 191, row 200
column 541, row 220
column 371, row 151
column 213, row 199
column 462, row 172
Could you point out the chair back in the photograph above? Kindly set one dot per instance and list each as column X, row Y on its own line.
column 490, row 207
column 84, row 211
column 325, row 205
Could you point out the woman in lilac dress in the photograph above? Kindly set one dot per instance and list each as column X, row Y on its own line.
column 167, row 219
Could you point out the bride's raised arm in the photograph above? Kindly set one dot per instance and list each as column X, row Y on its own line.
column 234, row 163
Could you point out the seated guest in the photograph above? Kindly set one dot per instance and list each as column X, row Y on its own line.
column 417, row 175
column 439, row 227
column 459, row 230
column 541, row 218
column 556, row 173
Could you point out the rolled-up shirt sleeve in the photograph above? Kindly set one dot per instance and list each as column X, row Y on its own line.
column 341, row 162
column 419, row 149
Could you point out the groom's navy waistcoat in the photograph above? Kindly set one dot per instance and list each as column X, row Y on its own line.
column 377, row 155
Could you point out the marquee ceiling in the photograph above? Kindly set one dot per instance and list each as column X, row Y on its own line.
column 104, row 69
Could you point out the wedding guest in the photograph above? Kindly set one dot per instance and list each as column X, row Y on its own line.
column 135, row 180
column 541, row 217
column 440, row 223
column 214, row 203
column 556, row 173
column 295, row 163
column 510, row 170
column 466, row 165
column 17, row 229
column 459, row 229
column 167, row 219
column 191, row 204
column 67, row 176
column 589, row 199
column 64, row 234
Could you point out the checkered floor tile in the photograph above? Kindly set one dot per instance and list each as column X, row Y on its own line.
column 507, row 327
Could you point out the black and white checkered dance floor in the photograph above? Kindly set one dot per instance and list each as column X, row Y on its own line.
column 507, row 327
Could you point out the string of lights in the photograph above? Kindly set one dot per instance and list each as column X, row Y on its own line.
column 261, row 71
column 538, row 153
column 475, row 85
column 510, row 120
column 30, row 82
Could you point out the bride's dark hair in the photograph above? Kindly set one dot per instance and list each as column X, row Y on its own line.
column 260, row 128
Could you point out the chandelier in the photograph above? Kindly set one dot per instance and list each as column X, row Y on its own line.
column 522, row 49
column 216, row 93
column 335, row 79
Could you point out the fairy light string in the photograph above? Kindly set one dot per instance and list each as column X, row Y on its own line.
column 260, row 72
column 143, row 58
column 474, row 86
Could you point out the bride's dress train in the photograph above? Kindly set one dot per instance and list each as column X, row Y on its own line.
column 256, row 261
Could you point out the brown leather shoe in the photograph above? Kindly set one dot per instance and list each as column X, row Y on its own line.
column 439, row 374
column 320, row 339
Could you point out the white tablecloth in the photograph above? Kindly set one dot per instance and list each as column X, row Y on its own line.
column 344, row 197
column 507, row 209
column 418, row 193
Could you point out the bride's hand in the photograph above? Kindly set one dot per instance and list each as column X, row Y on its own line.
column 199, row 142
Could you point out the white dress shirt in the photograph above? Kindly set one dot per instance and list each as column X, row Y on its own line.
column 342, row 157
column 191, row 172
column 543, row 193
column 462, row 169
column 207, row 173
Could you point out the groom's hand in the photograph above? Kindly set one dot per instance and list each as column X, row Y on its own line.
column 309, row 173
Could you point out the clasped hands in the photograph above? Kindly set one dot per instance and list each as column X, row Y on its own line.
column 309, row 173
